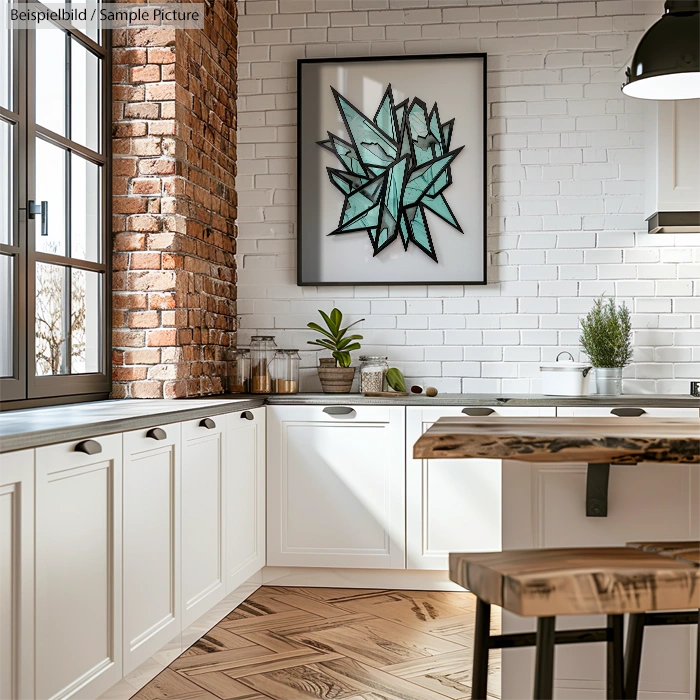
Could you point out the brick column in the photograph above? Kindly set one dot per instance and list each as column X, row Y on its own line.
column 174, row 206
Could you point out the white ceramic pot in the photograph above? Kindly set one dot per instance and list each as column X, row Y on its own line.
column 565, row 378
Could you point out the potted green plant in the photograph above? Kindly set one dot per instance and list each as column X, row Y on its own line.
column 335, row 372
column 606, row 337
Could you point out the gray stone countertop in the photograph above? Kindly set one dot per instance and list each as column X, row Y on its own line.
column 35, row 427
column 641, row 400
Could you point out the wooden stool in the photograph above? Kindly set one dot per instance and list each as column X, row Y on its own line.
column 685, row 551
column 544, row 583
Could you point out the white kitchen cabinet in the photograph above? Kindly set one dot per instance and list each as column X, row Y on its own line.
column 336, row 486
column 544, row 506
column 245, row 496
column 78, row 568
column 203, row 515
column 452, row 505
column 17, row 575
column 672, row 156
column 151, row 545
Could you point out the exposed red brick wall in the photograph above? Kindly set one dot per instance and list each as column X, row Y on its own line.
column 174, row 206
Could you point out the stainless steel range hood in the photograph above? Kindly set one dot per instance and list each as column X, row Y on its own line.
column 674, row 222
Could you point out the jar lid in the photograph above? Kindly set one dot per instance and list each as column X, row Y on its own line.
column 241, row 351
column 261, row 337
column 367, row 358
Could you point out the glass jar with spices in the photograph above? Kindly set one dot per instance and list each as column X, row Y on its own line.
column 238, row 371
column 262, row 352
column 285, row 372
column 373, row 369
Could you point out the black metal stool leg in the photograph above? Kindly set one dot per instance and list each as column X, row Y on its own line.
column 615, row 660
column 480, row 667
column 633, row 655
column 544, row 659
column 697, row 664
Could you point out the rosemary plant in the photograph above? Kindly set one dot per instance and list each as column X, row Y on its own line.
column 606, row 334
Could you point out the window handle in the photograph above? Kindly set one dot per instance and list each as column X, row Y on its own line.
column 43, row 210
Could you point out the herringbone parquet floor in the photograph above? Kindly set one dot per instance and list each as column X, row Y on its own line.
column 332, row 643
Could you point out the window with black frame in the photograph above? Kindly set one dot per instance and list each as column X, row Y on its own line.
column 54, row 256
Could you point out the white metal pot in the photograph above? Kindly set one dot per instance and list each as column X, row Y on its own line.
column 565, row 378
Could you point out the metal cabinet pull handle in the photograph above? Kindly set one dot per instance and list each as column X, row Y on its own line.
column 207, row 423
column 477, row 411
column 340, row 411
column 247, row 415
column 157, row 434
column 626, row 412
column 89, row 447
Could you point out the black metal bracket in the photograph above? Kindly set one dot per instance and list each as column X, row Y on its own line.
column 597, row 478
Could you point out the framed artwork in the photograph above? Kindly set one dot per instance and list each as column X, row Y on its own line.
column 391, row 165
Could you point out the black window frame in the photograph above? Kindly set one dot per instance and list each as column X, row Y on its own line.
column 24, row 388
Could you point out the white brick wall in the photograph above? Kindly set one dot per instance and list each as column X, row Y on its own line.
column 565, row 157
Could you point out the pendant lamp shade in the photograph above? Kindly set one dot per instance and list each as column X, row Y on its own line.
column 666, row 63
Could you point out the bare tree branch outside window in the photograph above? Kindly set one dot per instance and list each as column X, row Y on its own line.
column 50, row 327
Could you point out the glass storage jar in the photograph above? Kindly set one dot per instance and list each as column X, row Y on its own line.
column 238, row 371
column 262, row 352
column 285, row 372
column 373, row 369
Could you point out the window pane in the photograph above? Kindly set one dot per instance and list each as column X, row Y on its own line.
column 51, row 188
column 50, row 327
column 85, row 96
column 6, row 315
column 51, row 79
column 91, row 25
column 5, row 56
column 6, row 182
column 86, row 295
column 86, row 227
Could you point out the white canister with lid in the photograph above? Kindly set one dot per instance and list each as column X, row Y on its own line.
column 566, row 377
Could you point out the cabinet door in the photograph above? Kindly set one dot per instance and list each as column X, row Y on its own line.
column 203, row 516
column 17, row 575
column 678, row 153
column 245, row 496
column 336, row 486
column 78, row 568
column 151, row 541
column 452, row 505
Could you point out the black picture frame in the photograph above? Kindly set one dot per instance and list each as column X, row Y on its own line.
column 303, row 280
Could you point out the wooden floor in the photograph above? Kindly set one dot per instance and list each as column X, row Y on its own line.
column 332, row 643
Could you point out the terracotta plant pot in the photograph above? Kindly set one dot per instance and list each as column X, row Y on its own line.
column 336, row 380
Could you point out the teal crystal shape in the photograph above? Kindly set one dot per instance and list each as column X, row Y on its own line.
column 396, row 166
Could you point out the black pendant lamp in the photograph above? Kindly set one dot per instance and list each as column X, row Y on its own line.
column 666, row 64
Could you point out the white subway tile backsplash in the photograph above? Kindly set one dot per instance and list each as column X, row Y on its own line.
column 565, row 193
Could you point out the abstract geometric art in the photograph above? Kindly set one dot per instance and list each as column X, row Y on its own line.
column 395, row 167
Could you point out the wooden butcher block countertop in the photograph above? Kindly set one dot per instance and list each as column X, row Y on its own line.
column 563, row 439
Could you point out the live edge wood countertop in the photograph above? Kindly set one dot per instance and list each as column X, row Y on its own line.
column 563, row 439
